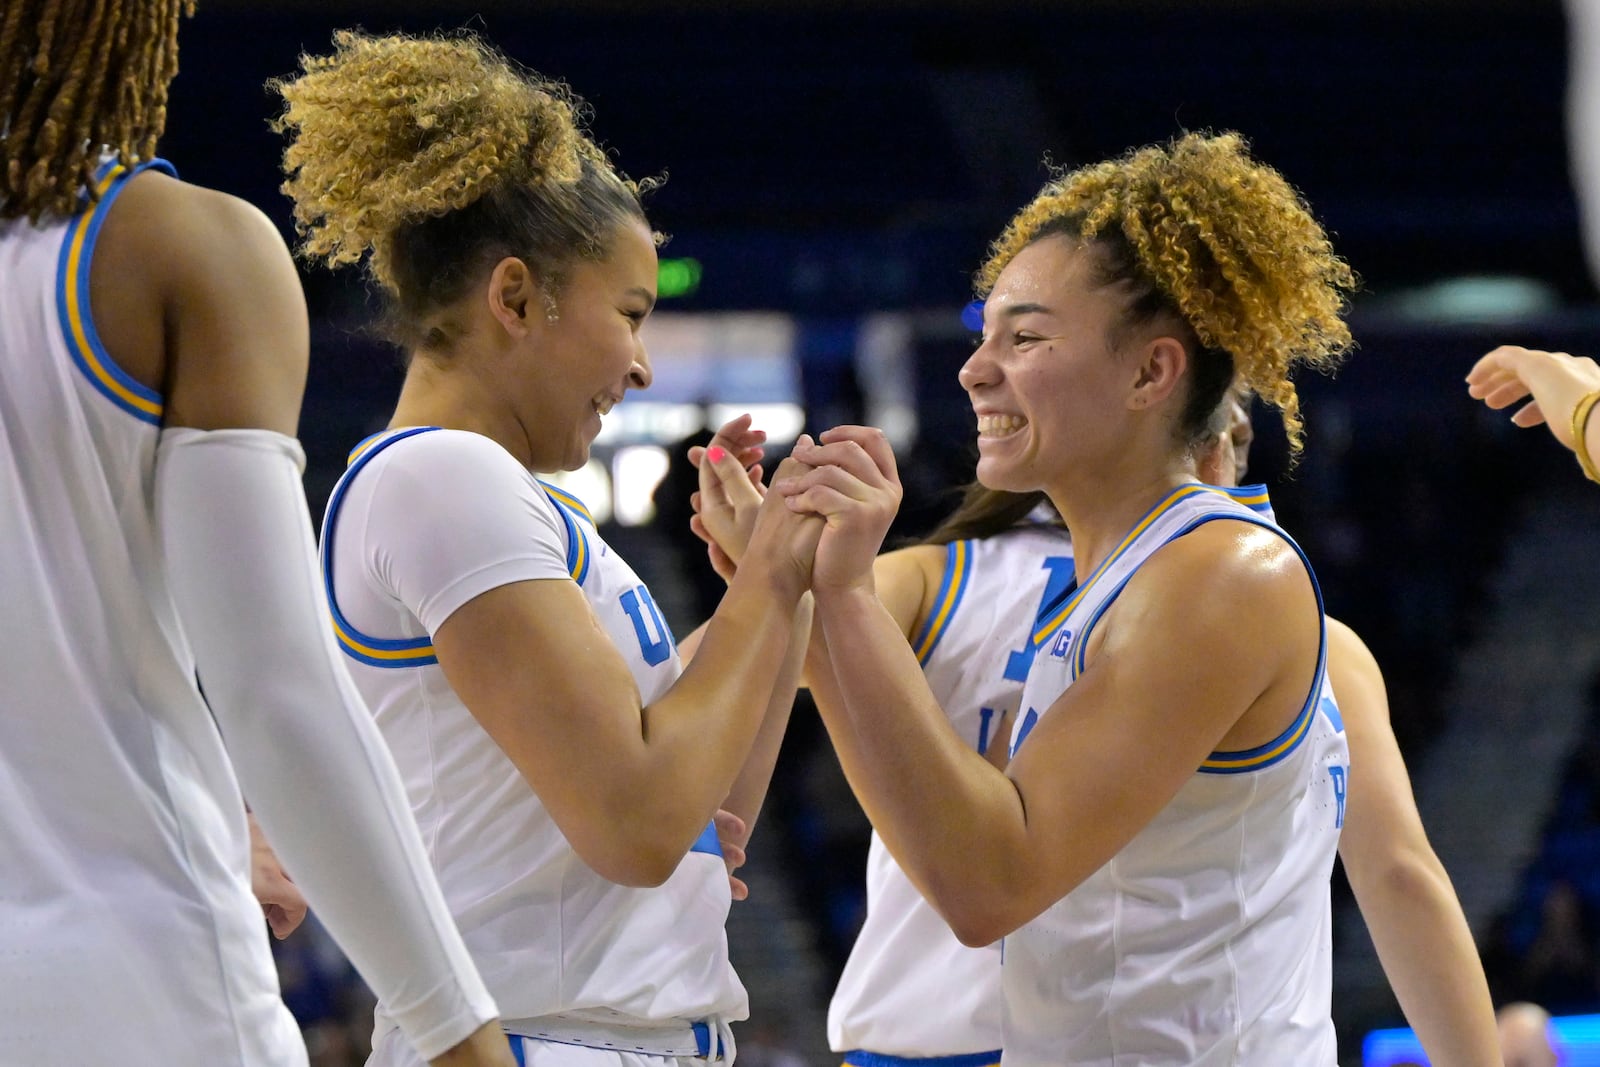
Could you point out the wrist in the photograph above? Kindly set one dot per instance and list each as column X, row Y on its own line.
column 835, row 599
column 1582, row 415
column 783, row 581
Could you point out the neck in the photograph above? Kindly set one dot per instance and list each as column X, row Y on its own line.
column 1099, row 510
column 457, row 400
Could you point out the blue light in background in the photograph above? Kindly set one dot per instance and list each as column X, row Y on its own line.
column 1577, row 1041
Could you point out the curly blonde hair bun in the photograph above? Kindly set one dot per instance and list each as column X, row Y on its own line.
column 1222, row 240
column 390, row 130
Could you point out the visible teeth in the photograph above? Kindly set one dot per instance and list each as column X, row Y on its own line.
column 603, row 405
column 1000, row 425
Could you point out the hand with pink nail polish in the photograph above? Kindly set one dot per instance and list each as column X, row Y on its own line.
column 730, row 492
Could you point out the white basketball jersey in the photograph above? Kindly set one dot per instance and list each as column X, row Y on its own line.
column 126, row 917
column 1206, row 939
column 552, row 939
column 910, row 989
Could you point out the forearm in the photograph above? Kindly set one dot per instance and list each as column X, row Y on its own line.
column 699, row 737
column 947, row 815
column 1429, row 957
column 749, row 790
column 237, row 541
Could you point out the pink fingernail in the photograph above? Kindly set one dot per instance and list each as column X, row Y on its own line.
column 715, row 453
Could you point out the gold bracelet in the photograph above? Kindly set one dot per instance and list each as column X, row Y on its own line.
column 1580, row 426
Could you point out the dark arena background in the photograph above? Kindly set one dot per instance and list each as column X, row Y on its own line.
column 834, row 172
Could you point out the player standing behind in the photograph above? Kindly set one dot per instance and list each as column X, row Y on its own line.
column 153, row 347
column 564, row 768
column 1404, row 892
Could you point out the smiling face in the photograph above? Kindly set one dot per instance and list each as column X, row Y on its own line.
column 1049, row 391
column 575, row 367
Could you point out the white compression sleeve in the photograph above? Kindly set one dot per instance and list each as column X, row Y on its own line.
column 236, row 536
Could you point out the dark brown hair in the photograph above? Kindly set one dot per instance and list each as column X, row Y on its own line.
column 79, row 78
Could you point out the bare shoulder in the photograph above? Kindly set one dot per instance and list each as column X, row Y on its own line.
column 1358, row 683
column 907, row 581
column 188, row 231
column 209, row 302
column 1230, row 602
column 1348, row 651
column 1225, row 565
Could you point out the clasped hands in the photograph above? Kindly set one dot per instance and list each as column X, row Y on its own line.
column 825, row 514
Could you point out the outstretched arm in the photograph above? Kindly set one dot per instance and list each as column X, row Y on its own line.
column 1404, row 893
column 1561, row 391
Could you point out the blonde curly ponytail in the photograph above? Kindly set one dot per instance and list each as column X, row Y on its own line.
column 1222, row 240
column 426, row 155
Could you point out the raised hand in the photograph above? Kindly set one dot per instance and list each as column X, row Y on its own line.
column 784, row 539
column 854, row 486
column 733, row 453
column 1554, row 380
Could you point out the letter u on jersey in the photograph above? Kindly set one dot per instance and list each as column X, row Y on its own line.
column 655, row 643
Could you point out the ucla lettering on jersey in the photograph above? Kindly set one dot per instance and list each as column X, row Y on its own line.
column 567, row 955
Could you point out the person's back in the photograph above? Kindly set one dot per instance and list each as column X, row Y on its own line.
column 115, row 780
column 153, row 340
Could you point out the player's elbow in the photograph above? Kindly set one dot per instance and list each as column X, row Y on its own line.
column 630, row 864
column 1395, row 877
column 637, row 851
column 978, row 933
column 977, row 921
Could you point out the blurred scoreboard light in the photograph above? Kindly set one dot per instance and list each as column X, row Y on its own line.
column 636, row 470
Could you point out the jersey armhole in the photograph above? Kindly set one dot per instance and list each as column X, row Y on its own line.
column 73, row 310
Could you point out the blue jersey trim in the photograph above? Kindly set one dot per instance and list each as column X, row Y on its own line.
column 957, row 569
column 578, row 553
column 373, row 651
column 569, row 500
column 1080, row 654
column 1253, row 497
column 73, row 310
column 1280, row 747
column 1048, row 625
column 862, row 1058
column 707, row 842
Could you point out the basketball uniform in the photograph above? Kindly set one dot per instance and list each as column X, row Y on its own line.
column 1206, row 939
column 126, row 917
column 910, row 991
column 424, row 520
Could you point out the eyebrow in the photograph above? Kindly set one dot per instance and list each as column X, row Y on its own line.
column 1011, row 311
column 648, row 297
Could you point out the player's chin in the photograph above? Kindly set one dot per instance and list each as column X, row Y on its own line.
column 578, row 452
column 1003, row 477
